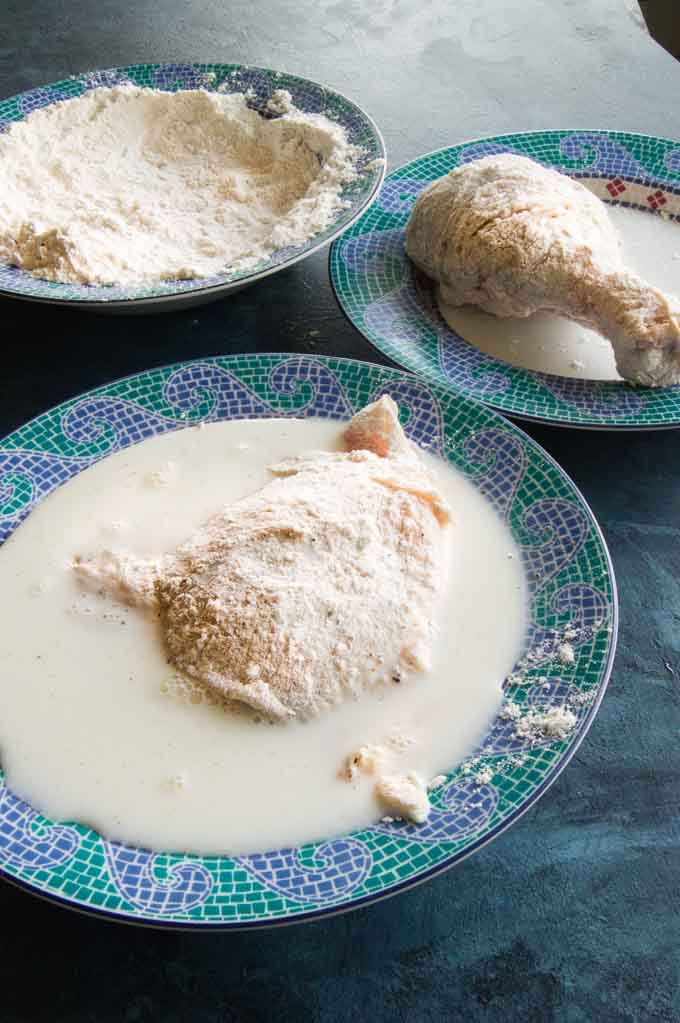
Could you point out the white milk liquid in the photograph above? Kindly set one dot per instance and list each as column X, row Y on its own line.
column 550, row 344
column 86, row 732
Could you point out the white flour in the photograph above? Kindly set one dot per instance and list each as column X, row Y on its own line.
column 126, row 185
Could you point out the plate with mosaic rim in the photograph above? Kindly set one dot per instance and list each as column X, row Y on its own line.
column 572, row 593
column 377, row 289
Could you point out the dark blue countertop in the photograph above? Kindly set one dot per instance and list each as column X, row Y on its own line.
column 573, row 915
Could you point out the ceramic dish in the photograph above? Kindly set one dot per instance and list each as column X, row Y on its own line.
column 570, row 578
column 309, row 96
column 377, row 289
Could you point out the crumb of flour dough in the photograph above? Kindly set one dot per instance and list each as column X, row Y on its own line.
column 510, row 711
column 371, row 758
column 566, row 653
column 558, row 645
column 162, row 476
column 582, row 698
column 365, row 760
column 405, row 796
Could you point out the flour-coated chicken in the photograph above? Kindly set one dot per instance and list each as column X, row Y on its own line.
column 321, row 584
column 513, row 237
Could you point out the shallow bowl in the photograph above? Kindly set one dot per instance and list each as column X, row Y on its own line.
column 259, row 84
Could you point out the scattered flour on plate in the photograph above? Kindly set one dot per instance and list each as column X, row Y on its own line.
column 557, row 646
column 535, row 725
column 582, row 698
column 510, row 711
column 566, row 653
column 130, row 185
column 553, row 723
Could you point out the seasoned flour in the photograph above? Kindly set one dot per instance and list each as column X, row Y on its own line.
column 125, row 185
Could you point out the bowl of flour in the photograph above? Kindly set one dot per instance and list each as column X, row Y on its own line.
column 154, row 186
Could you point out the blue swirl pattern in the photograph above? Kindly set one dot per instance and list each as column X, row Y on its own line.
column 27, row 476
column 558, row 529
column 495, row 460
column 603, row 154
column 182, row 885
column 399, row 195
column 102, row 421
column 313, row 386
column 333, row 870
column 203, row 391
column 28, row 841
